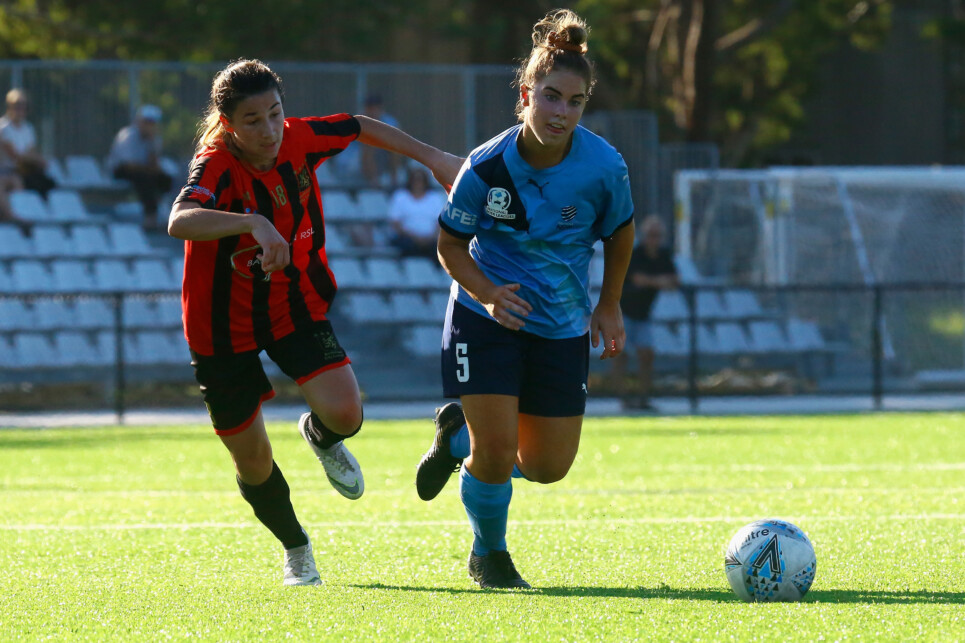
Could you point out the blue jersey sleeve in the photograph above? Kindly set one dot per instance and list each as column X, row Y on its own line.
column 618, row 203
column 464, row 208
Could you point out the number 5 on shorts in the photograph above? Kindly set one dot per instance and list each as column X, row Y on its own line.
column 462, row 359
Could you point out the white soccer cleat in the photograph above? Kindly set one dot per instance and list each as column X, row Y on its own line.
column 340, row 465
column 300, row 566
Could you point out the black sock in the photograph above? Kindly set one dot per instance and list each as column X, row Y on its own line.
column 324, row 437
column 271, row 501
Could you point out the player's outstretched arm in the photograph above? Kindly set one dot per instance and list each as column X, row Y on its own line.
column 444, row 166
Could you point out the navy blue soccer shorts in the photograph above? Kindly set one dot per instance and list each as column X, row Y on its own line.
column 481, row 357
column 234, row 386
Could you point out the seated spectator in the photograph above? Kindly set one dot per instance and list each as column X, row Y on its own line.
column 18, row 141
column 134, row 157
column 414, row 215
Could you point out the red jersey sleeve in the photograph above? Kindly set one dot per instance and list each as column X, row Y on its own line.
column 209, row 181
column 326, row 136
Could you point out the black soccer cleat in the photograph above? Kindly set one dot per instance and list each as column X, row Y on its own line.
column 438, row 463
column 495, row 570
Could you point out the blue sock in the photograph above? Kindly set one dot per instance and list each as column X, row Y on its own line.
column 459, row 448
column 487, row 506
column 459, row 443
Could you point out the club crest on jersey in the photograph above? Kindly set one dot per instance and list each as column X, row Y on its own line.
column 497, row 204
column 304, row 180
column 567, row 214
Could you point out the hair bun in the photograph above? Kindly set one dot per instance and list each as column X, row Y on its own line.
column 556, row 40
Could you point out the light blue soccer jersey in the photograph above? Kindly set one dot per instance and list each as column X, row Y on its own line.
column 537, row 227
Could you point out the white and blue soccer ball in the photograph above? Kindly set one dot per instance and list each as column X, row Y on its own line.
column 770, row 560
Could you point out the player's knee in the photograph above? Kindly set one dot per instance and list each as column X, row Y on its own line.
column 546, row 473
column 345, row 419
column 252, row 458
column 495, row 458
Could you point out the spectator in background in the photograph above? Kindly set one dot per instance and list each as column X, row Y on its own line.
column 18, row 146
column 414, row 215
column 651, row 270
column 135, row 157
column 379, row 167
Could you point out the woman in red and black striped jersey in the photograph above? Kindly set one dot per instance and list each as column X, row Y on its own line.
column 256, row 277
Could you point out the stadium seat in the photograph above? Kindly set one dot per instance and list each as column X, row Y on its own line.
column 177, row 269
column 385, row 273
column 411, row 307
column 93, row 313
column 128, row 239
column 67, row 205
column 53, row 241
column 367, row 307
column 325, row 176
column 15, row 315
column 83, row 171
column 706, row 339
column 112, row 275
column 14, row 243
column 687, row 270
column 91, row 241
column 7, row 355
column 140, row 312
column 55, row 170
column 159, row 347
column 106, row 343
column 152, row 274
column 169, row 312
column 805, row 335
column 335, row 241
column 30, row 276
column 742, row 304
column 51, row 313
column 34, row 350
column 338, row 206
column 709, row 306
column 667, row 342
column 767, row 337
column 72, row 276
column 670, row 305
column 438, row 302
column 420, row 272
column 731, row 339
column 424, row 340
column 349, row 272
column 74, row 348
column 29, row 205
column 596, row 270
column 373, row 205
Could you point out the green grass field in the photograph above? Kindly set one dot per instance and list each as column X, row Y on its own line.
column 140, row 534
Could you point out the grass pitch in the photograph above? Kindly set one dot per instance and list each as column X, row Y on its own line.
column 140, row 534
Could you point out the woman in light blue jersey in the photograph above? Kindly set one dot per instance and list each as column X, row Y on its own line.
column 517, row 236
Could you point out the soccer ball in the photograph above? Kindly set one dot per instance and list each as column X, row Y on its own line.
column 770, row 560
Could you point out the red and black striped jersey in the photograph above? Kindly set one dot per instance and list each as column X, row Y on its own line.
column 229, row 305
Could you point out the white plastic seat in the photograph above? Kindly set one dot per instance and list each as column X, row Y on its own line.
column 325, row 175
column 339, row 206
column 15, row 315
column 169, row 312
column 106, row 343
column 74, row 348
column 666, row 341
column 334, row 240
column 112, row 275
column 373, row 205
column 128, row 239
column 152, row 274
column 411, row 307
column 706, row 339
column 8, row 357
column 14, row 243
column 687, row 270
column 34, row 350
column 420, row 272
column 424, row 341
column 177, row 269
column 349, row 272
column 91, row 241
column 29, row 205
column 368, row 307
column 670, row 305
column 84, row 171
column 93, row 313
column 158, row 347
column 438, row 303
column 67, row 205
column 385, row 273
column 55, row 170
column 30, row 276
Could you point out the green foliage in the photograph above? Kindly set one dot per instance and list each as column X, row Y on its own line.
column 139, row 534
